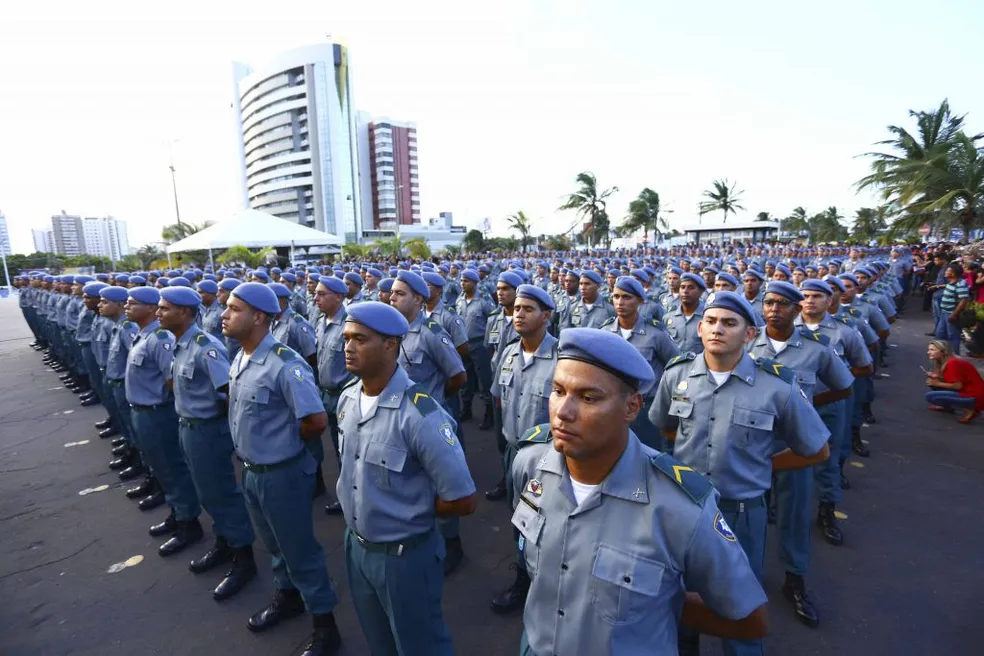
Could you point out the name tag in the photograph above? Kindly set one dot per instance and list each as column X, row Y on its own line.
column 506, row 376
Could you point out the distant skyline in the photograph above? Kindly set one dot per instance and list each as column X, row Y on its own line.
column 511, row 100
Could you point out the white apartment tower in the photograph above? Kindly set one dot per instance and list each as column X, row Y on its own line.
column 106, row 237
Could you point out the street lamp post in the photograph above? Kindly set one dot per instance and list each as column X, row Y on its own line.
column 174, row 184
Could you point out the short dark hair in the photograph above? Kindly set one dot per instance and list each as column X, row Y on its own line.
column 957, row 268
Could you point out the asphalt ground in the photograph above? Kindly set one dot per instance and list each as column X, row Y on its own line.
column 906, row 581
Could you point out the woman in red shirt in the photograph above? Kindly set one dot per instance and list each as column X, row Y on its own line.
column 955, row 382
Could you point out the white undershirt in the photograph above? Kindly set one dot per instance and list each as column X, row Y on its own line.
column 777, row 346
column 588, row 306
column 366, row 403
column 527, row 356
column 626, row 332
column 581, row 490
column 811, row 326
column 719, row 376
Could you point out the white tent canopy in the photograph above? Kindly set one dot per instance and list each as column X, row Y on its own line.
column 254, row 229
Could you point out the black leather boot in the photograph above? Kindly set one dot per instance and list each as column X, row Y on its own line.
column 857, row 446
column 498, row 492
column 119, row 441
column 120, row 451
column 453, row 556
column 488, row 419
column 105, row 423
column 286, row 604
column 829, row 525
column 108, row 432
column 325, row 640
column 845, row 483
column 153, row 500
column 220, row 553
column 187, row 533
column 166, row 527
column 794, row 590
column 142, row 490
column 515, row 597
column 243, row 571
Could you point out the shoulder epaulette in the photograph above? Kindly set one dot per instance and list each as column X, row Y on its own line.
column 201, row 338
column 435, row 327
column 694, row 485
column 609, row 321
column 683, row 357
column 539, row 434
column 776, row 369
column 285, row 352
column 424, row 403
column 162, row 332
column 815, row 336
column 659, row 324
column 299, row 318
column 845, row 320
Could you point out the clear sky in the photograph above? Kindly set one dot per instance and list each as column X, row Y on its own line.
column 512, row 99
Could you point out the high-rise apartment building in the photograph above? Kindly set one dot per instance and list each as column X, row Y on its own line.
column 44, row 241
column 298, row 151
column 4, row 236
column 389, row 176
column 68, row 234
column 106, row 237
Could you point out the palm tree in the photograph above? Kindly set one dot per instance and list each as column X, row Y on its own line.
column 796, row 222
column 644, row 213
column 826, row 226
column 958, row 176
column 178, row 231
column 588, row 203
column 417, row 248
column 762, row 217
column 246, row 257
column 867, row 222
column 521, row 224
column 148, row 255
column 722, row 197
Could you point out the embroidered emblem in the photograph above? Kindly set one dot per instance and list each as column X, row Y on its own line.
column 212, row 353
column 166, row 345
column 341, row 415
column 296, row 372
column 447, row 433
column 534, row 487
column 638, row 493
column 683, row 385
column 723, row 529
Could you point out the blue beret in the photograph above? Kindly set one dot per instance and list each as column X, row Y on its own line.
column 435, row 279
column 179, row 281
column 163, row 282
column 731, row 301
column 316, row 277
column 694, row 278
column 276, row 270
column 288, row 276
column 782, row 268
column 135, row 280
column 755, row 273
column 173, row 274
column 591, row 275
column 415, row 282
column 93, row 288
column 352, row 276
column 116, row 294
column 444, row 269
column 333, row 284
column 102, row 277
column 850, row 276
column 864, row 271
column 728, row 278
column 229, row 284
column 511, row 278
column 145, row 295
column 482, row 268
column 384, row 319
column 372, row 271
column 184, row 296
column 470, row 274
column 535, row 293
column 393, row 271
column 677, row 270
column 608, row 351
column 122, row 277
column 386, row 284
column 641, row 274
column 784, row 288
column 209, row 276
column 208, row 287
column 814, row 285
column 261, row 274
column 834, row 281
column 631, row 285
column 82, row 280
column 279, row 289
column 259, row 296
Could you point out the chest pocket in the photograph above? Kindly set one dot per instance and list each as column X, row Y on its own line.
column 186, row 371
column 136, row 358
column 807, row 380
column 529, row 523
column 623, row 586
column 415, row 359
column 253, row 399
column 681, row 409
column 752, row 425
column 385, row 459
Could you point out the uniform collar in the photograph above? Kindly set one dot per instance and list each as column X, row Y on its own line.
column 744, row 370
column 794, row 340
column 391, row 396
column 339, row 315
column 414, row 326
column 151, row 327
column 545, row 349
column 627, row 480
column 189, row 335
column 259, row 354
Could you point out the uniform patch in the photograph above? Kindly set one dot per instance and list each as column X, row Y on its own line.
column 446, row 341
column 212, row 353
column 303, row 329
column 723, row 529
column 166, row 345
column 534, row 487
column 341, row 415
column 447, row 433
column 297, row 372
column 683, row 385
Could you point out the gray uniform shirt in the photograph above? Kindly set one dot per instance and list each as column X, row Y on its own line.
column 683, row 329
column 148, row 366
column 524, row 386
column 293, row 330
column 650, row 338
column 579, row 315
column 813, row 359
column 332, row 373
column 610, row 575
column 429, row 357
column 199, row 368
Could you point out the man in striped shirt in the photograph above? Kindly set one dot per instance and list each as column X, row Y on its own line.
column 953, row 299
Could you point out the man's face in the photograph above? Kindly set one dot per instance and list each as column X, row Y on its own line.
column 353, row 289
column 223, row 296
column 949, row 274
column 752, row 286
column 611, row 279
column 384, row 297
column 111, row 309
column 690, row 293
column 673, row 279
column 585, row 406
column 815, row 303
column 863, row 280
column 798, row 277
column 626, row 303
column 468, row 286
column 528, row 318
column 239, row 318
column 850, row 291
column 589, row 290
column 723, row 332
column 779, row 311
column 139, row 312
column 769, row 270
column 403, row 299
column 172, row 317
column 207, row 299
column 570, row 284
column 371, row 281
column 723, row 286
column 505, row 294
column 709, row 277
column 91, row 302
column 554, row 276
column 366, row 351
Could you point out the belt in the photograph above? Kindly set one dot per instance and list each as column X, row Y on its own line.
column 137, row 406
column 115, row 381
column 262, row 469
column 393, row 548
column 741, row 505
column 197, row 421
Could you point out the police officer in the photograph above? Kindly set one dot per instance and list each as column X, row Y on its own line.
column 825, row 379
column 589, row 310
column 200, row 381
column 402, row 467
column 614, row 533
column 222, row 296
column 155, row 423
column 111, row 303
column 521, row 386
column 385, row 287
column 474, row 309
column 84, row 334
column 650, row 338
column 292, row 329
column 355, row 283
column 211, row 312
column 332, row 374
column 274, row 406
column 723, row 410
column 435, row 309
column 499, row 330
column 682, row 322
